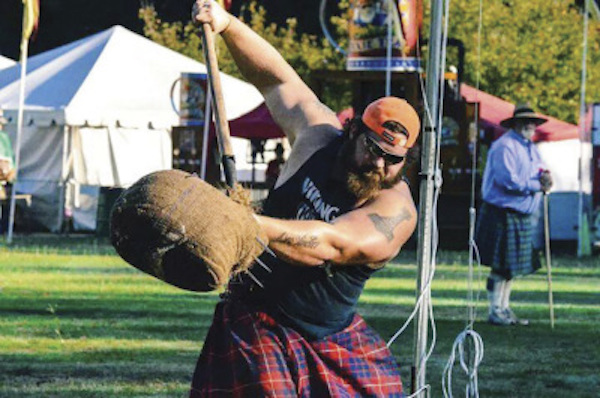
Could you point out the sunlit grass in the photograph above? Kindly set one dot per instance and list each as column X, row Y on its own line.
column 76, row 321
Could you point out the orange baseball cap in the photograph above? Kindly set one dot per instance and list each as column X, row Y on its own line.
column 393, row 109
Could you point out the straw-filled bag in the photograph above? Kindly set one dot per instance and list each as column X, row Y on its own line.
column 176, row 227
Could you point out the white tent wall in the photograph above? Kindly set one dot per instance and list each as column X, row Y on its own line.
column 562, row 159
column 41, row 171
column 136, row 152
column 84, row 207
column 118, row 157
column 111, row 157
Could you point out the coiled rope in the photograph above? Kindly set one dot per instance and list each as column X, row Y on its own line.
column 471, row 357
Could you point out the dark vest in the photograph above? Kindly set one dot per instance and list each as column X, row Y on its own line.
column 316, row 301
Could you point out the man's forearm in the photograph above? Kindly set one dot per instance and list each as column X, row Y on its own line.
column 301, row 242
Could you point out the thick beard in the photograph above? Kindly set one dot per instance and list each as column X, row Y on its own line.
column 528, row 133
column 525, row 132
column 364, row 183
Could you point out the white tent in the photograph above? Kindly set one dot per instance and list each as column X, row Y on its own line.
column 98, row 113
column 5, row 62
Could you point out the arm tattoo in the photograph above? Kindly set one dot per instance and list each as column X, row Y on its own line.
column 386, row 225
column 309, row 241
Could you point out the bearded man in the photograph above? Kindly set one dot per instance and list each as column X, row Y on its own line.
column 513, row 181
column 338, row 212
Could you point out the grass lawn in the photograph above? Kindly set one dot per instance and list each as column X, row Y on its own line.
column 76, row 321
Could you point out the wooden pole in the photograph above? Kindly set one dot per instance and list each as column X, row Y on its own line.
column 548, row 259
column 222, row 126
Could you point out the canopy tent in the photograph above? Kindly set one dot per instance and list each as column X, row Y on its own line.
column 115, row 76
column 6, row 62
column 493, row 110
column 98, row 113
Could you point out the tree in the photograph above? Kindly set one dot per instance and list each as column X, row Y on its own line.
column 530, row 52
column 304, row 52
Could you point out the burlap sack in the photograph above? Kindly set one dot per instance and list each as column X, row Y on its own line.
column 176, row 227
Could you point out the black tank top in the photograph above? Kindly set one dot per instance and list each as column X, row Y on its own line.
column 317, row 301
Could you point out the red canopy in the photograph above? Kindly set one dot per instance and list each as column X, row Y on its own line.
column 256, row 124
column 492, row 110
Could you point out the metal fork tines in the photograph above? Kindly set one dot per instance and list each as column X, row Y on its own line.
column 255, row 279
column 266, row 247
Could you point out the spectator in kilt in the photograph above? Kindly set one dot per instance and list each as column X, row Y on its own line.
column 513, row 181
column 338, row 212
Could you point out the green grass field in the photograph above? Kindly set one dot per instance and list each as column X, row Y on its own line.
column 76, row 321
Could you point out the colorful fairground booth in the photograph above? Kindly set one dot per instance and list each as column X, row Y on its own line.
column 376, row 66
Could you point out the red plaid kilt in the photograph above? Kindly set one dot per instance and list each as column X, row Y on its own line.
column 248, row 354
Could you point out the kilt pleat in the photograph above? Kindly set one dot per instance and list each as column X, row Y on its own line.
column 248, row 354
column 504, row 238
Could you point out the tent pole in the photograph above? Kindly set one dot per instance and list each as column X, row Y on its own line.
column 388, row 69
column 426, row 192
column 64, row 177
column 13, row 192
column 583, row 248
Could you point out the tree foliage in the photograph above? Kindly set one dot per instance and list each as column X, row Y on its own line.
column 304, row 52
column 530, row 51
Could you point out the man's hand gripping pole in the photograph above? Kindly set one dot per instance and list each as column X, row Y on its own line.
column 222, row 126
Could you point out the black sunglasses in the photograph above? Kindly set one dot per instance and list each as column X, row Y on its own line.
column 378, row 152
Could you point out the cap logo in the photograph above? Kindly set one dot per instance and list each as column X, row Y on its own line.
column 388, row 137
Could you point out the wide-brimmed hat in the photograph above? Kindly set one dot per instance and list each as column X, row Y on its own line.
column 523, row 112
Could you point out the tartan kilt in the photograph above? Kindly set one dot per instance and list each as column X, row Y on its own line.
column 504, row 238
column 248, row 354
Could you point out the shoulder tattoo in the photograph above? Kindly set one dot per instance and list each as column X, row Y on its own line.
column 386, row 225
column 309, row 241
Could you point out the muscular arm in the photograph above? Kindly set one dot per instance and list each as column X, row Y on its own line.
column 372, row 234
column 291, row 102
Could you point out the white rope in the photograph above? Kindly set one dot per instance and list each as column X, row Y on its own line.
column 474, row 347
column 471, row 390
column 425, row 294
column 426, row 291
column 426, row 388
column 427, row 286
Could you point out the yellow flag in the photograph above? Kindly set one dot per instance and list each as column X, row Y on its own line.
column 31, row 14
